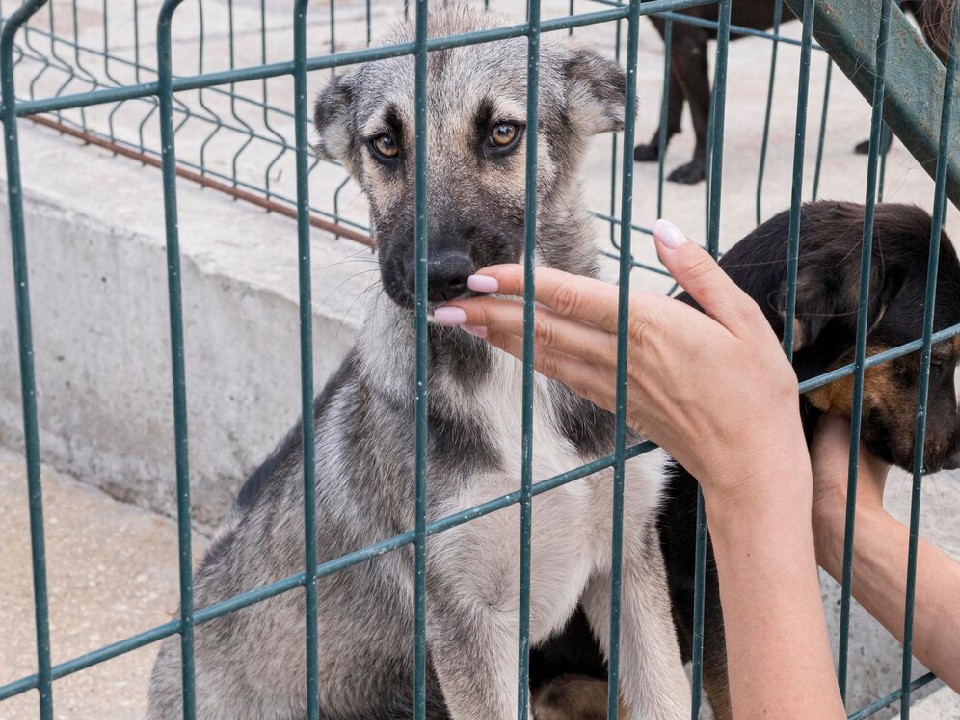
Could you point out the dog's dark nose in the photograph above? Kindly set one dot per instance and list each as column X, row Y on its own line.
column 447, row 273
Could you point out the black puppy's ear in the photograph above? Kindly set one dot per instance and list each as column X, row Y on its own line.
column 333, row 118
column 595, row 91
column 830, row 296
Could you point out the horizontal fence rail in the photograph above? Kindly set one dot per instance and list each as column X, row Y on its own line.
column 64, row 80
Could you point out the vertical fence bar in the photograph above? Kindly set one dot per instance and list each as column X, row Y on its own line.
column 939, row 211
column 420, row 327
column 876, row 123
column 796, row 191
column 715, row 175
column 777, row 18
column 613, row 157
column 28, row 385
column 619, row 466
column 306, row 356
column 181, row 447
column 821, row 138
column 664, row 112
column 526, row 419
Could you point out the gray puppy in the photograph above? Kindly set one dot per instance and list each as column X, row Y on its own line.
column 250, row 664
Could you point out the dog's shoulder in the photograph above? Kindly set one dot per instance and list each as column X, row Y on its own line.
column 289, row 451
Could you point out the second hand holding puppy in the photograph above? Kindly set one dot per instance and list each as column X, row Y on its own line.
column 716, row 391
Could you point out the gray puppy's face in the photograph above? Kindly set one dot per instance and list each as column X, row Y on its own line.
column 476, row 142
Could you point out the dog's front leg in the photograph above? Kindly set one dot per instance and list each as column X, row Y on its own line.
column 653, row 685
column 473, row 626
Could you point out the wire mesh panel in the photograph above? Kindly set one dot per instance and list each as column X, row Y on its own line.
column 253, row 141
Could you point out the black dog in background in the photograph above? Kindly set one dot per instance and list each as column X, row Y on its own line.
column 828, row 282
column 688, row 69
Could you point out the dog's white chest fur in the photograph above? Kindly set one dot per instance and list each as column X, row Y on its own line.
column 571, row 524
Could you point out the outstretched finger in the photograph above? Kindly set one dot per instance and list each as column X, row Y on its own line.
column 550, row 329
column 700, row 275
column 576, row 296
column 584, row 378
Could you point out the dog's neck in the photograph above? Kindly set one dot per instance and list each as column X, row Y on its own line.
column 457, row 361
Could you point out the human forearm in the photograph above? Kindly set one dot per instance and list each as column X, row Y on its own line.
column 880, row 581
column 777, row 649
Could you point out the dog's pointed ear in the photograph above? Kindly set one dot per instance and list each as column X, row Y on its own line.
column 596, row 87
column 830, row 297
column 334, row 120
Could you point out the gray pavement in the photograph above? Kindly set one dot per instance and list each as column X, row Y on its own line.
column 111, row 573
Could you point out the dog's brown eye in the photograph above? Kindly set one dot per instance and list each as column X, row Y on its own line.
column 504, row 134
column 385, row 146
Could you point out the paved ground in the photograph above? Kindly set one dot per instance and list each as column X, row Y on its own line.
column 112, row 572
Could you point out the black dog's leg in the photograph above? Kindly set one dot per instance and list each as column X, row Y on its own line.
column 690, row 68
column 674, row 100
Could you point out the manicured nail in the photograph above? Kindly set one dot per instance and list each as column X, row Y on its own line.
column 479, row 331
column 449, row 316
column 482, row 283
column 668, row 233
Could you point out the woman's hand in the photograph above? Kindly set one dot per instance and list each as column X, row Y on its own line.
column 830, row 452
column 715, row 390
column 880, row 553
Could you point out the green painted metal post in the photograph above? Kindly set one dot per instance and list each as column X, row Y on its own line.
column 796, row 191
column 422, row 354
column 181, row 448
column 619, row 467
column 939, row 211
column 526, row 419
column 881, row 46
column 718, row 108
column 301, row 96
column 28, row 384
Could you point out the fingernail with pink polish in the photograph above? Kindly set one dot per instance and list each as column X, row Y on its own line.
column 668, row 233
column 449, row 316
column 482, row 283
column 476, row 330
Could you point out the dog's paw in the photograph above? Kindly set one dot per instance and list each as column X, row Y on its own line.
column 646, row 153
column 571, row 697
column 689, row 174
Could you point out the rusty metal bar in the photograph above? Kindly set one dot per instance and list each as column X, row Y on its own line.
column 338, row 230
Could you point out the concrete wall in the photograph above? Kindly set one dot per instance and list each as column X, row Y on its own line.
column 98, row 281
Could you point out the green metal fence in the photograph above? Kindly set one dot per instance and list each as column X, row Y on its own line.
column 80, row 91
column 236, row 135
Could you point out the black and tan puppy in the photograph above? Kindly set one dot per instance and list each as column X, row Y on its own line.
column 688, row 69
column 825, row 331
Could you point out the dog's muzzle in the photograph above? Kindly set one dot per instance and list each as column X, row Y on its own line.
column 447, row 273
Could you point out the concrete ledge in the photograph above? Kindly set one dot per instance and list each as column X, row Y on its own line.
column 98, row 288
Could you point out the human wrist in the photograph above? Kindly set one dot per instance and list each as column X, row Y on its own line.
column 830, row 525
column 829, row 521
column 754, row 483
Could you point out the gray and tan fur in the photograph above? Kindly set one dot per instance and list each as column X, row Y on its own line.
column 250, row 664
